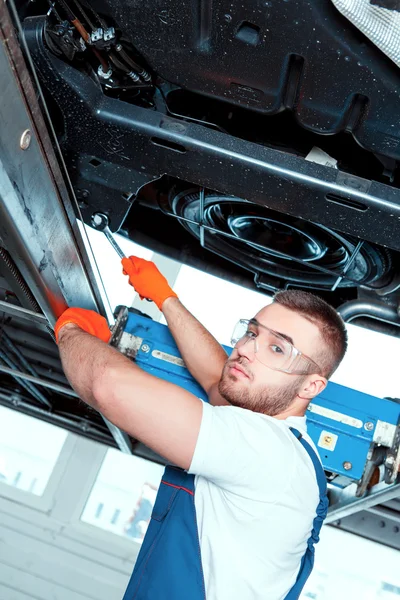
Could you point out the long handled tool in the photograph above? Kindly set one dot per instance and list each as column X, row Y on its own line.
column 100, row 222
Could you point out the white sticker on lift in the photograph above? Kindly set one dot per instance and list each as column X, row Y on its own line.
column 334, row 415
column 175, row 360
column 327, row 440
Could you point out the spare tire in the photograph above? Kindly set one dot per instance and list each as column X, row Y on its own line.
column 288, row 248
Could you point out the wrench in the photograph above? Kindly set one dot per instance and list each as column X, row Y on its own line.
column 100, row 222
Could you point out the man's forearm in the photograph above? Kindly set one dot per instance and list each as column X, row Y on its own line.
column 202, row 354
column 160, row 414
column 84, row 359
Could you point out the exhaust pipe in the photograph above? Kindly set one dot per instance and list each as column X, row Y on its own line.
column 354, row 309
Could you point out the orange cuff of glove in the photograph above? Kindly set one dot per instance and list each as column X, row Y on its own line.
column 147, row 280
column 88, row 320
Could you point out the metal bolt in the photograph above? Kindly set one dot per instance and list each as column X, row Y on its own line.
column 25, row 140
column 16, row 401
column 104, row 74
column 97, row 220
column 347, row 465
column 368, row 426
column 100, row 221
column 145, row 348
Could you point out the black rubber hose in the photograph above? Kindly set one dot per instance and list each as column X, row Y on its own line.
column 68, row 12
column 87, row 5
column 85, row 15
column 140, row 70
column 120, row 65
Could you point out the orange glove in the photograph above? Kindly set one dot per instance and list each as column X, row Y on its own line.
column 147, row 280
column 88, row 320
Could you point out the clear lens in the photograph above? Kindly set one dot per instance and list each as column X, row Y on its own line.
column 240, row 331
column 271, row 349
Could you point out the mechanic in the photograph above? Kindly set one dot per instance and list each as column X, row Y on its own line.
column 238, row 514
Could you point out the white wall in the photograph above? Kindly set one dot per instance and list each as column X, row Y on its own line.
column 46, row 551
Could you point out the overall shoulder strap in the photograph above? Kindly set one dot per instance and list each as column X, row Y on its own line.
column 307, row 561
column 319, row 471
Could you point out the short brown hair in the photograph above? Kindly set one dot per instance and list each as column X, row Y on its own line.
column 330, row 323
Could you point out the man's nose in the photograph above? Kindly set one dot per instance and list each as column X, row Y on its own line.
column 248, row 349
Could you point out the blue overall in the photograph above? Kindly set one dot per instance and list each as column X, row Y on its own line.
column 169, row 563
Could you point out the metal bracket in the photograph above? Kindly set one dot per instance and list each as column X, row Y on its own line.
column 376, row 457
column 392, row 462
column 344, row 502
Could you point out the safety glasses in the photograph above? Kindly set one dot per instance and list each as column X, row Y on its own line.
column 272, row 349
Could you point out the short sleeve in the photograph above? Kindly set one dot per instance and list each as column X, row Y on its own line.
column 242, row 451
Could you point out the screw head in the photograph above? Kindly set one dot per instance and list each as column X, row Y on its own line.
column 96, row 220
column 99, row 221
column 368, row 426
column 145, row 348
column 347, row 466
column 25, row 140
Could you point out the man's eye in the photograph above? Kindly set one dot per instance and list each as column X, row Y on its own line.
column 251, row 334
column 276, row 349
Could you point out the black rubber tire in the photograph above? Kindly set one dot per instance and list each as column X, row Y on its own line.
column 370, row 268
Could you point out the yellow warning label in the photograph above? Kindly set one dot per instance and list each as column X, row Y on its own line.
column 327, row 440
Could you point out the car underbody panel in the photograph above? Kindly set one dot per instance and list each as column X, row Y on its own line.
column 200, row 123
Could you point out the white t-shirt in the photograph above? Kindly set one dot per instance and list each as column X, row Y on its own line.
column 256, row 499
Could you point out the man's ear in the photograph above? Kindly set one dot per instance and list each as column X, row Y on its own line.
column 313, row 385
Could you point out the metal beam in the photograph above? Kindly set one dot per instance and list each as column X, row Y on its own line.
column 34, row 226
column 374, row 524
column 121, row 438
column 23, row 313
column 344, row 502
column 43, row 382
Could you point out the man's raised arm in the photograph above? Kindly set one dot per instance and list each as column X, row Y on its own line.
column 202, row 354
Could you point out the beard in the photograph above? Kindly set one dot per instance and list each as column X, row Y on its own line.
column 268, row 400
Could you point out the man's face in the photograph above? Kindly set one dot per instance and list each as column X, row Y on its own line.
column 247, row 383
